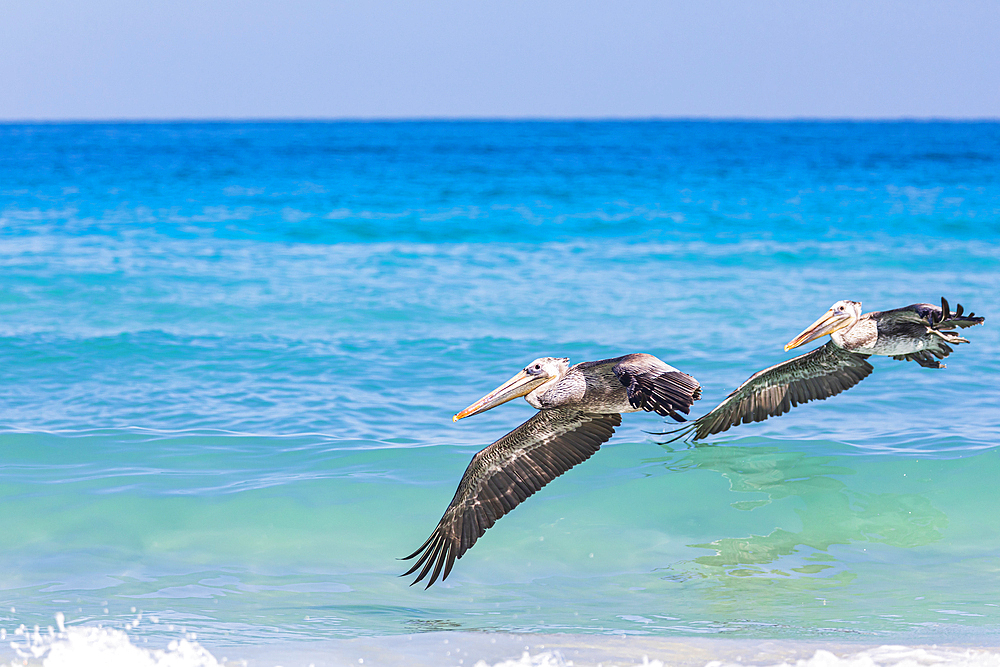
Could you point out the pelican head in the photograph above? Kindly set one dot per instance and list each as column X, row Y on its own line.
column 533, row 376
column 841, row 315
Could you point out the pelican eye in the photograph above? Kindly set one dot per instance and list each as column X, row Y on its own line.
column 534, row 370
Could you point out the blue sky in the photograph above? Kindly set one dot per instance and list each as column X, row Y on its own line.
column 163, row 59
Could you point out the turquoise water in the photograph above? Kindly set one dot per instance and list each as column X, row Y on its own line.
column 230, row 353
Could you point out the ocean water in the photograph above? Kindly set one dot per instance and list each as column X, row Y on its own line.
column 230, row 354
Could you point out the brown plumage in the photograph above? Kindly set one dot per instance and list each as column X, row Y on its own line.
column 920, row 333
column 579, row 408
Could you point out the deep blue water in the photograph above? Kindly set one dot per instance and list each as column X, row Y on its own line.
column 230, row 353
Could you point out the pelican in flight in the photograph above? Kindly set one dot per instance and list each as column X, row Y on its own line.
column 921, row 332
column 578, row 410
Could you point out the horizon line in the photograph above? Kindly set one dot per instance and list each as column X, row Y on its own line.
column 496, row 119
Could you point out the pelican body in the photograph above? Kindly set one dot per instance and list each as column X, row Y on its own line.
column 578, row 410
column 917, row 333
column 920, row 332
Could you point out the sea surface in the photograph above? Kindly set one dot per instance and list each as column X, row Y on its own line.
column 230, row 354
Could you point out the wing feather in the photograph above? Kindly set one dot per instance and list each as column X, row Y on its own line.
column 504, row 475
column 657, row 387
column 816, row 375
column 939, row 318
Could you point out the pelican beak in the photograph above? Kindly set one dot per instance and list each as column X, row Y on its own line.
column 519, row 385
column 821, row 327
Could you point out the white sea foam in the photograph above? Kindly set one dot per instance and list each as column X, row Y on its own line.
column 883, row 656
column 546, row 659
column 554, row 659
column 894, row 656
column 89, row 646
column 102, row 647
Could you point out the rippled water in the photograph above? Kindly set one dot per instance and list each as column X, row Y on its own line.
column 230, row 353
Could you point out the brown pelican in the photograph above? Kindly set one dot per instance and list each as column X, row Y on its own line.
column 922, row 333
column 578, row 410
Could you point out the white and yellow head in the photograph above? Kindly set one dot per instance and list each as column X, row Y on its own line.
column 841, row 315
column 534, row 375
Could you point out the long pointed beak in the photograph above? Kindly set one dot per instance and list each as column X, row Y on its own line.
column 827, row 324
column 519, row 385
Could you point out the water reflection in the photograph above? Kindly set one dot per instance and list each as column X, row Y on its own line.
column 831, row 513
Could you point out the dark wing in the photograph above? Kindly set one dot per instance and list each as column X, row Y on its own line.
column 939, row 319
column 504, row 474
column 822, row 373
column 937, row 323
column 657, row 387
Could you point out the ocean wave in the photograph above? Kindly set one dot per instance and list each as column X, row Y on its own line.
column 97, row 646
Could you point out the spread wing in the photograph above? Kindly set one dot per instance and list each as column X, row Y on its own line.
column 821, row 373
column 503, row 475
column 939, row 319
column 657, row 387
column 935, row 325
